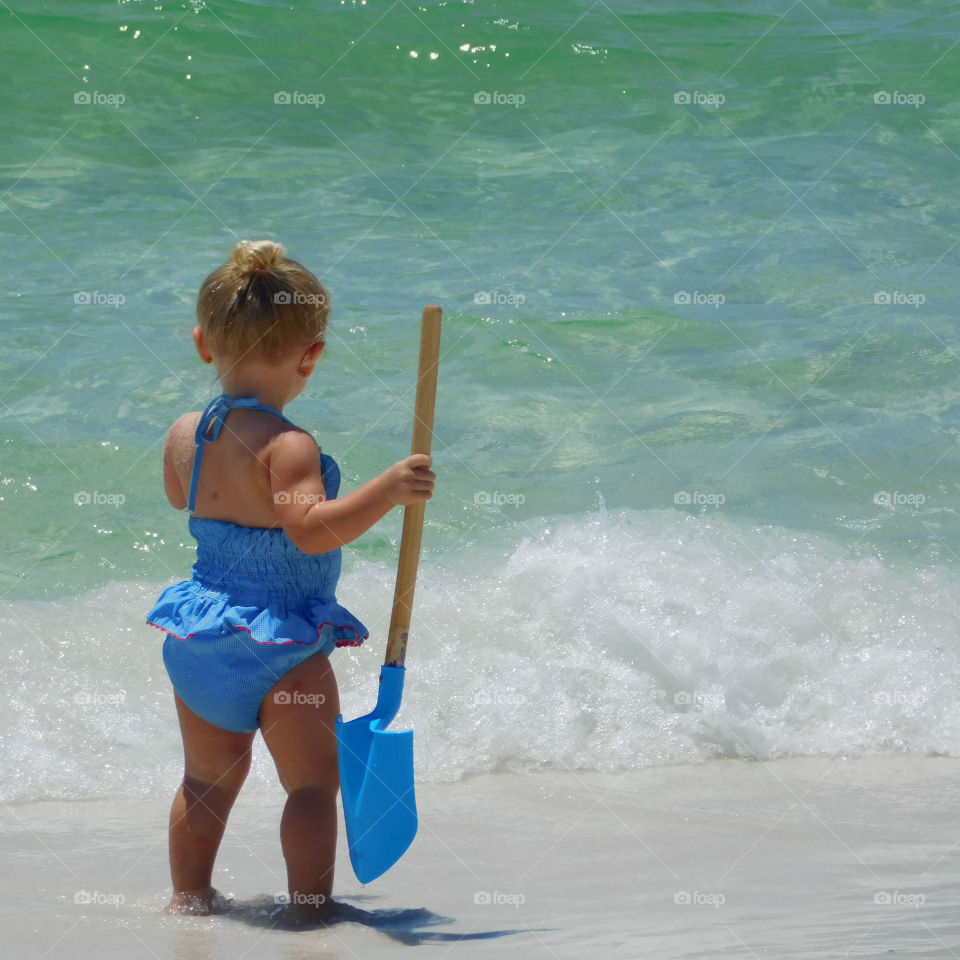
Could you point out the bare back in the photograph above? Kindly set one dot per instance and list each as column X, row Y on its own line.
column 235, row 472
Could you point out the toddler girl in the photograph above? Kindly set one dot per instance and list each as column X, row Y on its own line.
column 248, row 637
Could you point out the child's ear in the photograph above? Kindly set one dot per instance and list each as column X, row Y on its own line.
column 310, row 356
column 201, row 344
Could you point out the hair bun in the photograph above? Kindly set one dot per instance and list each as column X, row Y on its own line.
column 251, row 255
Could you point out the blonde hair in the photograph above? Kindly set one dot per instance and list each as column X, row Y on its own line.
column 262, row 303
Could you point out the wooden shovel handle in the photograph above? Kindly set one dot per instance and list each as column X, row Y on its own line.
column 413, row 514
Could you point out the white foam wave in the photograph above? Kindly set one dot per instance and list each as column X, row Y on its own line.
column 604, row 642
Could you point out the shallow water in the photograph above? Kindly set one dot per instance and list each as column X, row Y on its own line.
column 806, row 859
column 697, row 421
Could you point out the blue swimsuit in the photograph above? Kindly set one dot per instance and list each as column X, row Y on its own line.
column 255, row 608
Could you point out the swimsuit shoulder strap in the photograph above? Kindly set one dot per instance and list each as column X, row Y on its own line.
column 211, row 424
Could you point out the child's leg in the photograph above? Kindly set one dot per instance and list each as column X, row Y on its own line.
column 216, row 763
column 297, row 720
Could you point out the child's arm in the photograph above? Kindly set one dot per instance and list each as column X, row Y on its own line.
column 317, row 525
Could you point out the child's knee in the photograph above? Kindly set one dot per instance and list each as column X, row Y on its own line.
column 227, row 772
column 310, row 799
column 320, row 777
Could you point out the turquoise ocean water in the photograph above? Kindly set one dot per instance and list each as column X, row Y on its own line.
column 698, row 418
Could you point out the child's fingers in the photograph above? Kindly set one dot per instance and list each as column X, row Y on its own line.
column 412, row 479
column 422, row 484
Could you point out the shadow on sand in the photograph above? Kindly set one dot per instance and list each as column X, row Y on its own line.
column 410, row 927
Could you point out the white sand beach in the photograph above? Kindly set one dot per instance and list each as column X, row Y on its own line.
column 806, row 858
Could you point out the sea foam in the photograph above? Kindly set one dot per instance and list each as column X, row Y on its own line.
column 609, row 641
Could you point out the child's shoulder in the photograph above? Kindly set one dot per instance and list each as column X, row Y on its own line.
column 291, row 441
column 186, row 421
column 183, row 429
column 291, row 453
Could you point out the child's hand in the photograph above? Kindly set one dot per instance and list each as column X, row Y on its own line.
column 409, row 481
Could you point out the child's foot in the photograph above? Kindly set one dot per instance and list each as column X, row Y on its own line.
column 197, row 903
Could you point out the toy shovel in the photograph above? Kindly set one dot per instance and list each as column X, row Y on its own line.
column 376, row 764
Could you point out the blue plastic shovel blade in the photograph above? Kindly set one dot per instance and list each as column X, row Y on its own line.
column 376, row 782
